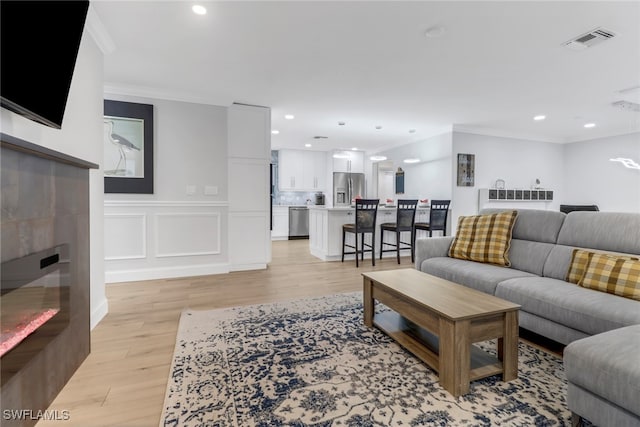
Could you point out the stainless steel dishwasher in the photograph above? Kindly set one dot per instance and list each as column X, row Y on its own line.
column 298, row 222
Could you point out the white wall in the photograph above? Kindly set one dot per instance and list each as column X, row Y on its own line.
column 172, row 233
column 431, row 178
column 591, row 178
column 517, row 161
column 81, row 137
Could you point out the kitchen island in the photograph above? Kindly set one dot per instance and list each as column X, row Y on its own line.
column 325, row 230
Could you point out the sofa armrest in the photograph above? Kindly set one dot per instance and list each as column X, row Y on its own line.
column 432, row 247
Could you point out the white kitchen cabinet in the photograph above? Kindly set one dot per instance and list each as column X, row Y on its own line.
column 315, row 170
column 349, row 161
column 301, row 170
column 280, row 229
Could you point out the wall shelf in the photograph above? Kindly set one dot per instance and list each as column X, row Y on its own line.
column 493, row 197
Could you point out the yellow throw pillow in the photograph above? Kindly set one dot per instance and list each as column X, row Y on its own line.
column 613, row 274
column 580, row 261
column 484, row 238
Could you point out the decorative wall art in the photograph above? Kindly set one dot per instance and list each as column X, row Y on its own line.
column 400, row 181
column 128, row 147
column 466, row 170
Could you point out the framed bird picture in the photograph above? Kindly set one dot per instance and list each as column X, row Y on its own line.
column 128, row 147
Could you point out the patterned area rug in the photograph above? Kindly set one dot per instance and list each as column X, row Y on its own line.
column 312, row 362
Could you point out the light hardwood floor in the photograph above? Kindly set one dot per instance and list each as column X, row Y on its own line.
column 122, row 382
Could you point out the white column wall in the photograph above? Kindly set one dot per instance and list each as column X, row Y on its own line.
column 249, row 156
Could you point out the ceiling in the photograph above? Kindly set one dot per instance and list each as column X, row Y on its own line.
column 370, row 63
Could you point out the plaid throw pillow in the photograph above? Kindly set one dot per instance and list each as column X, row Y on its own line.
column 579, row 263
column 613, row 274
column 484, row 238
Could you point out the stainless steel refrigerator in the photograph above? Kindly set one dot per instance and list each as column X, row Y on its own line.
column 347, row 186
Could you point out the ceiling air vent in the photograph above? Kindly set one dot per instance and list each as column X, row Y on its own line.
column 589, row 39
column 627, row 105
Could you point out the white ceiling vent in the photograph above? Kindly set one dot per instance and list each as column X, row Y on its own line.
column 626, row 105
column 590, row 39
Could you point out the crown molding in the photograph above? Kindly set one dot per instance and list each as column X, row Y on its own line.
column 156, row 93
column 98, row 32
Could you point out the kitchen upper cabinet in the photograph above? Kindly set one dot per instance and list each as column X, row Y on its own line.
column 301, row 170
column 348, row 161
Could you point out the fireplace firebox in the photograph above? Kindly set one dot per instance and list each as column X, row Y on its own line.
column 34, row 304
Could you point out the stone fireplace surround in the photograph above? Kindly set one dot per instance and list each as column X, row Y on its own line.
column 45, row 203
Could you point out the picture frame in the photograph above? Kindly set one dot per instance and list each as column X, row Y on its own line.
column 466, row 170
column 128, row 147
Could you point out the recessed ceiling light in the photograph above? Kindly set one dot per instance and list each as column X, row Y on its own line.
column 275, row 132
column 378, row 127
column 340, row 155
column 354, row 149
column 412, row 131
column 377, row 158
column 289, row 116
column 307, row 145
column 589, row 125
column 414, row 160
column 540, row 117
column 199, row 10
column 341, row 123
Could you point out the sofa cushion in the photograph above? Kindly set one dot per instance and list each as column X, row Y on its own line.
column 535, row 224
column 613, row 274
column 603, row 364
column 529, row 256
column 476, row 275
column 484, row 238
column 585, row 310
column 606, row 231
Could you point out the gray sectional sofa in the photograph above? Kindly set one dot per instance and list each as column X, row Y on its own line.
column 540, row 254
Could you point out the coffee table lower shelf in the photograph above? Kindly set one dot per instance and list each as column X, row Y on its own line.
column 425, row 346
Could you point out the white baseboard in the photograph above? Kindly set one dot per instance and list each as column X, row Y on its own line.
column 165, row 272
column 245, row 267
column 98, row 313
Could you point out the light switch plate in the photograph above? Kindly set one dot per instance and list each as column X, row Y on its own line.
column 191, row 190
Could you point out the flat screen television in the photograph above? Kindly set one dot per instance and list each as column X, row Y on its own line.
column 39, row 46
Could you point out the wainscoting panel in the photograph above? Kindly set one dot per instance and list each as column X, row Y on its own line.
column 125, row 236
column 148, row 240
column 187, row 234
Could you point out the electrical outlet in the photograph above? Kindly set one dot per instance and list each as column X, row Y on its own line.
column 210, row 190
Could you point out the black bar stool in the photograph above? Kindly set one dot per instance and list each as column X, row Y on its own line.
column 405, row 219
column 438, row 213
column 366, row 212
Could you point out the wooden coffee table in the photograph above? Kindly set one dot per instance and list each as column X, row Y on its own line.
column 438, row 320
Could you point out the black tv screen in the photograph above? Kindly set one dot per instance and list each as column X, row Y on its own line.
column 39, row 46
